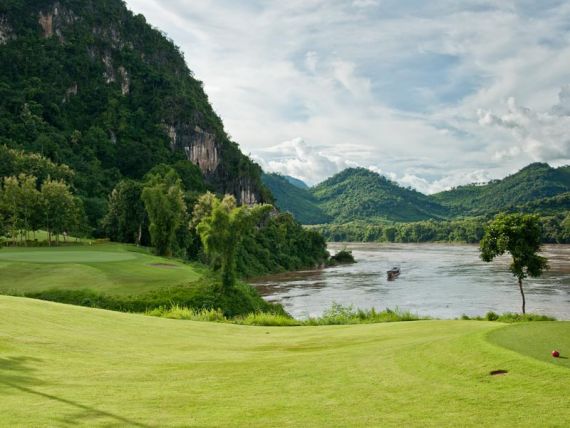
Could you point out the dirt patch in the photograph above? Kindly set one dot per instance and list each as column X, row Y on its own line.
column 498, row 372
column 163, row 266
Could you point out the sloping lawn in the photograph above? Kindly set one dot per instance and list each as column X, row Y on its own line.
column 110, row 268
column 65, row 365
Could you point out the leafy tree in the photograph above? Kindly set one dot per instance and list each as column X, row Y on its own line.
column 164, row 204
column 222, row 225
column 62, row 212
column 126, row 219
column 520, row 236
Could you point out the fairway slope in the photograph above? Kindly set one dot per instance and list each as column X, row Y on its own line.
column 70, row 365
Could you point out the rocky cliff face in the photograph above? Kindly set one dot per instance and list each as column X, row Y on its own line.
column 5, row 30
column 130, row 81
column 203, row 149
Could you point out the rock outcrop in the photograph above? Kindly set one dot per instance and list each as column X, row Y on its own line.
column 5, row 30
column 54, row 19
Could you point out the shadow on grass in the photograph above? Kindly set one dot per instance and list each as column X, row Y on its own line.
column 16, row 373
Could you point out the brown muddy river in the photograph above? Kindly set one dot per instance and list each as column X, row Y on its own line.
column 438, row 280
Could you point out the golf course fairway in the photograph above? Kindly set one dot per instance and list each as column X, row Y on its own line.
column 64, row 365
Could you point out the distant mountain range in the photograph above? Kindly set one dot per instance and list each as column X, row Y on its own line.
column 363, row 195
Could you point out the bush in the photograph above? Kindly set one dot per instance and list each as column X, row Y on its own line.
column 182, row 313
column 509, row 317
column 339, row 314
column 268, row 319
column 342, row 257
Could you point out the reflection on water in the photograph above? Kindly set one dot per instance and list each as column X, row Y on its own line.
column 439, row 280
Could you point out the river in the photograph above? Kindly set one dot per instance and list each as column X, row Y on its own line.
column 437, row 280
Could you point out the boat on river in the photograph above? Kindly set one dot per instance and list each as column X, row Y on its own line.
column 393, row 273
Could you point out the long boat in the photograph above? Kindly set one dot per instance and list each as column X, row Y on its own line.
column 393, row 273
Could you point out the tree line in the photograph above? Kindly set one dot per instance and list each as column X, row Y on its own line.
column 555, row 230
column 27, row 207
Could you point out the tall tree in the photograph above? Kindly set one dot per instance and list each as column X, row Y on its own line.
column 164, row 203
column 126, row 216
column 520, row 235
column 59, row 207
column 222, row 225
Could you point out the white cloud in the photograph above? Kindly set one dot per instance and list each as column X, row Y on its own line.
column 297, row 159
column 417, row 89
column 542, row 136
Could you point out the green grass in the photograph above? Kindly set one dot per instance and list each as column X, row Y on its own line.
column 65, row 365
column 537, row 340
column 109, row 268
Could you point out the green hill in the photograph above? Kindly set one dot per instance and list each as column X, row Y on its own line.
column 528, row 186
column 296, row 182
column 294, row 199
column 89, row 84
column 360, row 194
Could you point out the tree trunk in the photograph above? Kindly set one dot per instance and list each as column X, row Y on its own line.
column 522, row 294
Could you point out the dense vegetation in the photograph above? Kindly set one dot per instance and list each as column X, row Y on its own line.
column 531, row 187
column 360, row 194
column 91, row 85
column 364, row 206
column 556, row 230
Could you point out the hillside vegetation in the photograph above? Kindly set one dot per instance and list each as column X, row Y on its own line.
column 160, row 372
column 360, row 194
column 530, row 185
column 295, row 199
column 91, row 85
column 364, row 206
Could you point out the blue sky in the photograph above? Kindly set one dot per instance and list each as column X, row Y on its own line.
column 432, row 94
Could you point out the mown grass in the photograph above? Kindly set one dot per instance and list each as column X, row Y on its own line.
column 113, row 269
column 65, row 365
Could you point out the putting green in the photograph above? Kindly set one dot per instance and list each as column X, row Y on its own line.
column 536, row 340
column 69, row 366
column 109, row 268
column 66, row 256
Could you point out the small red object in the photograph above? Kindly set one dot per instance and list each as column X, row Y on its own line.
column 555, row 354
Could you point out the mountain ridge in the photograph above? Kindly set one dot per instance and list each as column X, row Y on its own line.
column 358, row 194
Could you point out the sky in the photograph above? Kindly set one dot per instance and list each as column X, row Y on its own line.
column 431, row 94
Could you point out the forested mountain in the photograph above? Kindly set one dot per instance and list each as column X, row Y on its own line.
column 360, row 194
column 357, row 194
column 294, row 199
column 88, row 84
column 523, row 189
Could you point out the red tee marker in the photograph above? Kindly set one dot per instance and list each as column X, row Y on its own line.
column 555, row 354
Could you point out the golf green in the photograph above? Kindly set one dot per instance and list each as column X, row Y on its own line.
column 67, row 366
column 109, row 268
column 66, row 256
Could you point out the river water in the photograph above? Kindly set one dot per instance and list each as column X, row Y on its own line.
column 438, row 280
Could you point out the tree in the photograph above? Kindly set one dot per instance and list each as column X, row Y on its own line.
column 126, row 216
column 520, row 235
column 61, row 210
column 164, row 203
column 222, row 225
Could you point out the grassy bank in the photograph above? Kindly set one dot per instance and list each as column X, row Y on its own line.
column 100, row 368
